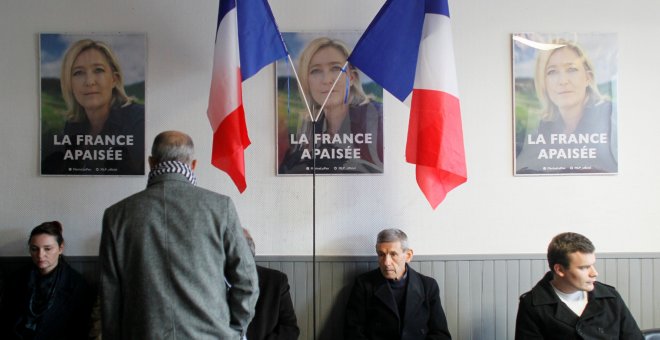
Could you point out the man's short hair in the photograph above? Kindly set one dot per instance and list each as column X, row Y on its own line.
column 173, row 146
column 567, row 243
column 393, row 235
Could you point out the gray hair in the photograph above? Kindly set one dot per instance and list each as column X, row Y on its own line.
column 173, row 146
column 393, row 235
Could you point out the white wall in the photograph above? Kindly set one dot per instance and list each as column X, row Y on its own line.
column 492, row 213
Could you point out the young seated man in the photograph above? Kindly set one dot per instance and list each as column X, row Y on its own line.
column 568, row 302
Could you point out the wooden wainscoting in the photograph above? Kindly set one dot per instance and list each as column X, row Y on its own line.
column 479, row 292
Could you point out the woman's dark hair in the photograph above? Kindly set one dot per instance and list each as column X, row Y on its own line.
column 53, row 228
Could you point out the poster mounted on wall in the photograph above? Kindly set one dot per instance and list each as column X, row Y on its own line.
column 565, row 103
column 348, row 135
column 92, row 103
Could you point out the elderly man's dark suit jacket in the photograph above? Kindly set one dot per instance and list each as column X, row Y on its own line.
column 372, row 312
column 274, row 318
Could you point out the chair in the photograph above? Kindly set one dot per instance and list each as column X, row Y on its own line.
column 651, row 334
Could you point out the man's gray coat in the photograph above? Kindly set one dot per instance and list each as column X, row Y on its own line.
column 165, row 254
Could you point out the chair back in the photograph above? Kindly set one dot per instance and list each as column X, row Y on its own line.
column 651, row 334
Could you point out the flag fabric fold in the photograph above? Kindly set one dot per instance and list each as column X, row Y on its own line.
column 247, row 39
column 408, row 48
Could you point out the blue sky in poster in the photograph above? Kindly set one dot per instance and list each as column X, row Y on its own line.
column 130, row 48
column 296, row 41
column 602, row 49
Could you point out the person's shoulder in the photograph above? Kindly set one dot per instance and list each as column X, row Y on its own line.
column 374, row 105
column 211, row 194
column 537, row 288
column 70, row 270
column 18, row 276
column 368, row 281
column 604, row 285
column 73, row 128
column 129, row 200
column 526, row 296
column 368, row 108
column 271, row 273
column 413, row 272
column 598, row 109
column 15, row 287
column 197, row 193
column 180, row 181
column 372, row 273
column 74, row 278
column 369, row 276
column 430, row 284
column 130, row 114
column 603, row 104
column 133, row 108
column 211, row 200
column 540, row 294
column 373, row 108
column 604, row 290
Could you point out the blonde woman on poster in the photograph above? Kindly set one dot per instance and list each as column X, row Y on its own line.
column 575, row 126
column 103, row 130
column 349, row 130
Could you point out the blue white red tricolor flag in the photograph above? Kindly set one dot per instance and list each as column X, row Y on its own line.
column 408, row 47
column 247, row 39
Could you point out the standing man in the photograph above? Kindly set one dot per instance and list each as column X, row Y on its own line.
column 394, row 301
column 568, row 302
column 166, row 251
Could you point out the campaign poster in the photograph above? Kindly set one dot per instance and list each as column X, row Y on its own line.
column 565, row 103
column 92, row 103
column 323, row 129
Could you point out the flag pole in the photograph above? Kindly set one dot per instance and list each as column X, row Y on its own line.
column 311, row 116
column 343, row 69
column 314, row 122
column 314, row 280
column 300, row 88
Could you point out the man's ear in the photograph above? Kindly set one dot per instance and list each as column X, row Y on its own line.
column 152, row 163
column 559, row 270
column 409, row 255
column 193, row 164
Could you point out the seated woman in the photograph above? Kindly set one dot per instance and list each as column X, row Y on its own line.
column 48, row 299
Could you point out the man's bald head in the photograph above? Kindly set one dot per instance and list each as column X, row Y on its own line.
column 172, row 146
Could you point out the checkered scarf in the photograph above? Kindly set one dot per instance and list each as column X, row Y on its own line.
column 169, row 167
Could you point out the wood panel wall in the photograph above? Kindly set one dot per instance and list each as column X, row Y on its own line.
column 479, row 292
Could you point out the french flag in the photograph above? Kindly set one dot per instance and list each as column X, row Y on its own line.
column 408, row 47
column 247, row 39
